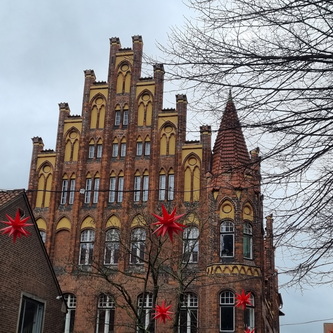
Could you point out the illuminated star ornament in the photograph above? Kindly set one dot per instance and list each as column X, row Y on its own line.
column 242, row 300
column 248, row 330
column 16, row 226
column 162, row 312
column 167, row 223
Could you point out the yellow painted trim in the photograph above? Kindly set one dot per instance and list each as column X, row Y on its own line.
column 113, row 221
column 41, row 224
column 88, row 223
column 64, row 223
column 138, row 221
column 233, row 270
column 191, row 219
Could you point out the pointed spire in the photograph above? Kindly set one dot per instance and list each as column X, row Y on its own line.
column 230, row 151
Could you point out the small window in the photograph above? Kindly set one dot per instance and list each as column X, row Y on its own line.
column 125, row 117
column 70, row 300
column 227, row 239
column 227, row 311
column 247, row 241
column 43, row 235
column 117, row 118
column 64, row 189
column 188, row 316
column 31, row 316
column 91, row 151
column 191, row 245
column 123, row 149
column 115, row 148
column 99, row 151
column 249, row 314
column 120, row 189
column 138, row 239
column 112, row 189
column 145, row 188
column 87, row 193
column 139, row 148
column 137, row 188
column 147, row 148
column 87, row 246
column 105, row 314
column 145, row 314
column 111, row 254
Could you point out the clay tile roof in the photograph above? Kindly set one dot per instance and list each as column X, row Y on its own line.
column 230, row 149
column 8, row 195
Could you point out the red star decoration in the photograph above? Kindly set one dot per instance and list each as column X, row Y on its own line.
column 16, row 226
column 242, row 300
column 248, row 330
column 167, row 223
column 162, row 312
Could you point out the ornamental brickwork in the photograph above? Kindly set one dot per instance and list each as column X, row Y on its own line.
column 116, row 164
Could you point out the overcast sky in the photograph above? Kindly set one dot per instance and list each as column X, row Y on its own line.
column 45, row 45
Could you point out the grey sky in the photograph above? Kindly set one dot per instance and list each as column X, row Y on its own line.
column 46, row 46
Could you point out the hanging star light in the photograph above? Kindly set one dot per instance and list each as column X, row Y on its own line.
column 16, row 226
column 242, row 300
column 167, row 223
column 162, row 312
column 248, row 330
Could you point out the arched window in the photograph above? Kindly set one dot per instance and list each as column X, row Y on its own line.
column 145, row 311
column 247, row 241
column 141, row 186
column 111, row 254
column 92, row 187
column 138, row 239
column 115, row 148
column 188, row 316
column 86, row 246
column 191, row 245
column 105, row 314
column 249, row 321
column 67, row 190
column 227, row 239
column 70, row 300
column 227, row 311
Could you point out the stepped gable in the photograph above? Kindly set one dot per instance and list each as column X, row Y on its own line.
column 230, row 152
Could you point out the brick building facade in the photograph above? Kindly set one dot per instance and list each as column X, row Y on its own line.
column 117, row 163
column 30, row 295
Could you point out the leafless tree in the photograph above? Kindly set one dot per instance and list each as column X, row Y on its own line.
column 276, row 56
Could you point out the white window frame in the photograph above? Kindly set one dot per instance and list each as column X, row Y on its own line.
column 125, row 117
column 25, row 315
column 191, row 245
column 115, row 149
column 247, row 240
column 147, row 148
column 120, row 195
column 64, row 189
column 71, row 191
column 91, row 151
column 87, row 239
column 117, row 118
column 249, row 314
column 162, row 187
column 87, row 193
column 137, row 188
column 112, row 189
column 145, row 304
column 227, row 229
column 70, row 300
column 139, row 148
column 112, row 246
column 227, row 301
column 99, row 150
column 123, row 149
column 138, row 246
column 106, row 309
column 189, row 308
column 145, row 188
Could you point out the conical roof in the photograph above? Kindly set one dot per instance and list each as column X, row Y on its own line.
column 230, row 151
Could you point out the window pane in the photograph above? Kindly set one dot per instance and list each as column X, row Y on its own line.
column 71, row 192
column 227, row 318
column 114, row 149
column 145, row 188
column 147, row 148
column 112, row 189
column 87, row 194
column 120, row 189
column 227, row 245
column 99, row 151
column 64, row 192
column 91, row 151
column 117, row 118
column 162, row 186
column 123, row 150
column 96, row 190
column 171, row 187
column 125, row 117
column 138, row 148
column 137, row 187
column 31, row 316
